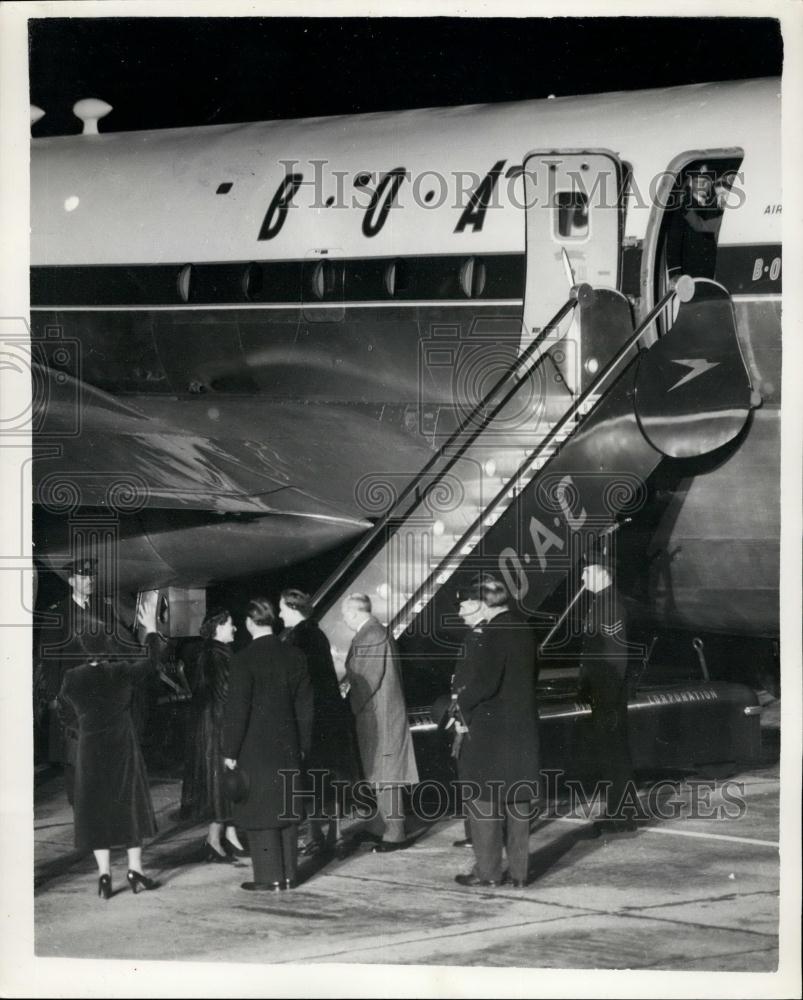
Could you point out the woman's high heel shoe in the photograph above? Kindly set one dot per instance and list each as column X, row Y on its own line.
column 213, row 856
column 139, row 881
column 105, row 887
column 233, row 851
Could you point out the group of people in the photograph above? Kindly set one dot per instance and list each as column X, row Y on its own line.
column 271, row 737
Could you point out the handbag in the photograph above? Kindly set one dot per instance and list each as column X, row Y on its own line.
column 236, row 784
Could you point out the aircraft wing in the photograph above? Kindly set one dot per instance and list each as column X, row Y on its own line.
column 98, row 450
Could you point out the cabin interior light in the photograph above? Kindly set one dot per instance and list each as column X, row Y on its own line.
column 592, row 366
column 71, row 203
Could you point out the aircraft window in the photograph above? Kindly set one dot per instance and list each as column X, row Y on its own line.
column 571, row 218
column 397, row 278
column 472, row 277
column 324, row 279
column 183, row 282
column 253, row 282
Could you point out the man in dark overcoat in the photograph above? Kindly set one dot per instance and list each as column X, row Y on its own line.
column 472, row 609
column 499, row 757
column 380, row 715
column 267, row 729
column 603, row 680
column 332, row 756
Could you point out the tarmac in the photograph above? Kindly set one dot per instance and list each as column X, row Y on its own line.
column 686, row 893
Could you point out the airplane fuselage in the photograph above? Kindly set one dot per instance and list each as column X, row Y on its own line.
column 264, row 300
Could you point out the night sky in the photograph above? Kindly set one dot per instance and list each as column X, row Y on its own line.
column 165, row 72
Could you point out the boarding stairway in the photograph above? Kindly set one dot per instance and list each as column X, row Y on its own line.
column 550, row 449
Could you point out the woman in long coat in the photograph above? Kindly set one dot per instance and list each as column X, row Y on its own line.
column 203, row 795
column 266, row 734
column 112, row 803
column 332, row 755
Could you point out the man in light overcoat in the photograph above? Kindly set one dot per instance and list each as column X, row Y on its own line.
column 380, row 714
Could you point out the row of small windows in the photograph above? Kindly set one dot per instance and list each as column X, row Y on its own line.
column 322, row 281
column 319, row 280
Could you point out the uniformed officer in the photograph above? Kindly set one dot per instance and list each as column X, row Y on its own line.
column 499, row 758
column 603, row 681
column 473, row 610
column 74, row 615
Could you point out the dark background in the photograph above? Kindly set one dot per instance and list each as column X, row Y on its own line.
column 165, row 72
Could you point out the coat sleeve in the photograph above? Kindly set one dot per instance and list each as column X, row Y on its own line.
column 303, row 701
column 484, row 679
column 469, row 659
column 238, row 708
column 611, row 627
column 52, row 644
column 218, row 676
column 199, row 682
column 366, row 669
column 65, row 708
column 145, row 662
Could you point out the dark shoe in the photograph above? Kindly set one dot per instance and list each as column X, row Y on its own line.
column 466, row 842
column 213, row 856
column 313, row 848
column 388, row 846
column 105, row 887
column 473, row 881
column 232, row 851
column 514, row 883
column 139, row 881
column 364, row 837
column 262, row 886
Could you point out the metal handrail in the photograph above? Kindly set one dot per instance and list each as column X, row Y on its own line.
column 570, row 414
column 414, row 485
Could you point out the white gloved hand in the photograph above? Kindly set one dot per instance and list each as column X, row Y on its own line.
column 146, row 610
column 596, row 578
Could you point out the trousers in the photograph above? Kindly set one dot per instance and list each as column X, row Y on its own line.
column 274, row 853
column 389, row 820
column 612, row 746
column 498, row 825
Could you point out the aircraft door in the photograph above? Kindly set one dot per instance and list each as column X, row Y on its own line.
column 574, row 217
column 683, row 231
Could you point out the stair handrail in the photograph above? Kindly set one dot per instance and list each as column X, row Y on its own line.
column 683, row 287
column 576, row 294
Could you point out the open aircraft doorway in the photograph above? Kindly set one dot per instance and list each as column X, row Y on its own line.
column 682, row 235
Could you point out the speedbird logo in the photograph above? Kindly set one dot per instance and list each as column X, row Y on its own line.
column 696, row 365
